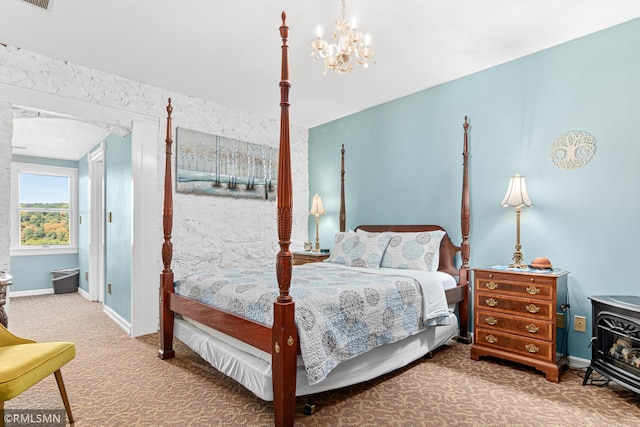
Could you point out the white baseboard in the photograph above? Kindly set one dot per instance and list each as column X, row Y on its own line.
column 109, row 312
column 117, row 318
column 578, row 362
column 19, row 294
column 84, row 294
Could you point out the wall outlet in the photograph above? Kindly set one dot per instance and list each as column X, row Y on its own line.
column 580, row 323
column 560, row 320
column 109, row 288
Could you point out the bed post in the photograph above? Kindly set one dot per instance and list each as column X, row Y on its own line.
column 166, row 277
column 465, row 218
column 284, row 333
column 343, row 213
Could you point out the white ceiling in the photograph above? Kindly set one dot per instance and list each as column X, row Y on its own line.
column 229, row 51
column 52, row 135
column 55, row 138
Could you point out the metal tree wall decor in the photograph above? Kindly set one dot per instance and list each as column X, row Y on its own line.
column 573, row 150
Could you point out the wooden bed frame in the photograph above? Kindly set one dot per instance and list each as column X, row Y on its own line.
column 281, row 340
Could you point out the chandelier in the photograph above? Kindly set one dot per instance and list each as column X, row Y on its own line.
column 349, row 47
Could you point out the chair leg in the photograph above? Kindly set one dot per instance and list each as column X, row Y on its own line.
column 2, row 413
column 63, row 393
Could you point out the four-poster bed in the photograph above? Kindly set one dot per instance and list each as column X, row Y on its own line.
column 265, row 351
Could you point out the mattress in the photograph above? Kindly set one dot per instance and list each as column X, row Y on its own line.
column 251, row 367
column 340, row 311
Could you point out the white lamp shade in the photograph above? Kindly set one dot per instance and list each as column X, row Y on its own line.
column 517, row 193
column 316, row 206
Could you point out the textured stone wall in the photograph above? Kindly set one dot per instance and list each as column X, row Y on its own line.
column 208, row 231
column 6, row 129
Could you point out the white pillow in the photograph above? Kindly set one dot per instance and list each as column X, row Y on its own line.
column 359, row 249
column 414, row 251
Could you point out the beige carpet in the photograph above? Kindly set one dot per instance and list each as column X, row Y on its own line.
column 118, row 381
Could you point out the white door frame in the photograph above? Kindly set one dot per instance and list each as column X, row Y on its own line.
column 146, row 144
column 96, row 224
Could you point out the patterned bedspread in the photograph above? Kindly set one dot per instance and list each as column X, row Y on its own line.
column 340, row 312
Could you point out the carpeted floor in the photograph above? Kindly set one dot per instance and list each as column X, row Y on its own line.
column 118, row 381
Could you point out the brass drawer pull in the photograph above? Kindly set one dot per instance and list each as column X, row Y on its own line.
column 491, row 339
column 532, row 290
column 532, row 328
column 491, row 302
column 532, row 348
column 492, row 285
column 491, row 320
column 532, row 308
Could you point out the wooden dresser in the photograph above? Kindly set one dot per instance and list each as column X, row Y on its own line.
column 300, row 258
column 515, row 317
column 5, row 281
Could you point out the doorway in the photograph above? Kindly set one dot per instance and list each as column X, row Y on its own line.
column 145, row 197
column 96, row 224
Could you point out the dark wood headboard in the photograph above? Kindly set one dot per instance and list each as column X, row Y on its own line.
column 447, row 249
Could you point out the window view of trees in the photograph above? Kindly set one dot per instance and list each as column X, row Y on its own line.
column 43, row 224
column 45, row 217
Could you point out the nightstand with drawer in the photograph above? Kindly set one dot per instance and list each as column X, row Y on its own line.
column 300, row 258
column 515, row 317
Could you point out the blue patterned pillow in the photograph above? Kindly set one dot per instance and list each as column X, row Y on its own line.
column 415, row 251
column 359, row 249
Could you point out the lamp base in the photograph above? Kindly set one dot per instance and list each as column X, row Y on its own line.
column 517, row 258
column 518, row 265
column 317, row 246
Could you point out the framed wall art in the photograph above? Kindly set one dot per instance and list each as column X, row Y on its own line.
column 221, row 166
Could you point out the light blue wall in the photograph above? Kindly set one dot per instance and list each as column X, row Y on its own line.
column 44, row 161
column 118, row 231
column 34, row 272
column 404, row 163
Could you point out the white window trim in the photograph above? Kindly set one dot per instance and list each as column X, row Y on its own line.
column 18, row 168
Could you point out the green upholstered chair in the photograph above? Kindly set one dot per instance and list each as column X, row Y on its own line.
column 24, row 363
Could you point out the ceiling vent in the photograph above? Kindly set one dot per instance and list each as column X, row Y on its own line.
column 43, row 4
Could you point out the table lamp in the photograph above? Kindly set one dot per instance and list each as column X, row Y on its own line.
column 317, row 209
column 517, row 197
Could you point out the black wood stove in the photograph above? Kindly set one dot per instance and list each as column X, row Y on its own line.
column 615, row 346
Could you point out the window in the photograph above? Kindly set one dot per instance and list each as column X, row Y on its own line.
column 44, row 209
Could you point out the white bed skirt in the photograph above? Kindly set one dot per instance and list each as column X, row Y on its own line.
column 251, row 367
